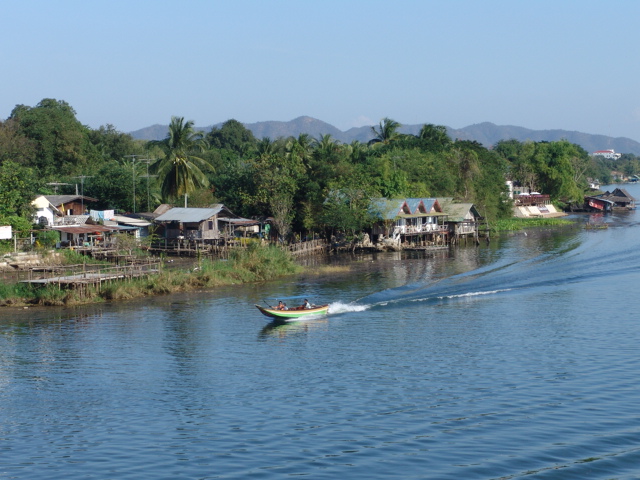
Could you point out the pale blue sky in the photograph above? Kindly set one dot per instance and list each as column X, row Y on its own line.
column 542, row 64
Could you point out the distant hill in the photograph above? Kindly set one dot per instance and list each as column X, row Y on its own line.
column 485, row 133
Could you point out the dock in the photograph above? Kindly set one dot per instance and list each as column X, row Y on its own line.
column 81, row 276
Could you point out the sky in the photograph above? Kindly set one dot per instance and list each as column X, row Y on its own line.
column 543, row 64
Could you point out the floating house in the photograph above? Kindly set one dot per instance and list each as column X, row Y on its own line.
column 619, row 199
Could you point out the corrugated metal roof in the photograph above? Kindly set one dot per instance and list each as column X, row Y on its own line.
column 240, row 221
column 423, row 215
column 73, row 220
column 58, row 200
column 414, row 204
column 189, row 215
column 388, row 208
column 427, row 202
column 457, row 211
column 87, row 229
column 137, row 222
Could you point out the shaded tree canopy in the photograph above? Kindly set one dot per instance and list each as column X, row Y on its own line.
column 232, row 135
column 61, row 141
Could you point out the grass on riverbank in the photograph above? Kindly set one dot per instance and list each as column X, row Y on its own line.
column 253, row 264
column 515, row 224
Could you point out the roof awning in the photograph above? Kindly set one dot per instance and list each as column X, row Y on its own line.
column 240, row 221
column 88, row 229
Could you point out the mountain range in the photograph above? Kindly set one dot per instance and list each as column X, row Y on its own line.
column 486, row 133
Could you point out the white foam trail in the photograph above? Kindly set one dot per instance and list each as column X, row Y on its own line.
column 339, row 307
column 475, row 294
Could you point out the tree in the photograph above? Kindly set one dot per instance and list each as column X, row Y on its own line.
column 232, row 135
column 180, row 170
column 112, row 186
column 14, row 145
column 465, row 159
column 277, row 179
column 434, row 136
column 301, row 148
column 348, row 204
column 387, row 132
column 61, row 141
column 111, row 144
column 18, row 187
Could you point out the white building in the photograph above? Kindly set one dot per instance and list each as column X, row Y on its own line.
column 45, row 211
column 610, row 154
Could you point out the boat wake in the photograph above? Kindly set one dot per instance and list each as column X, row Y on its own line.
column 565, row 263
column 340, row 307
column 472, row 294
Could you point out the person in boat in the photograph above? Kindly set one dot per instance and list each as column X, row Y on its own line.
column 306, row 304
column 280, row 306
column 284, row 306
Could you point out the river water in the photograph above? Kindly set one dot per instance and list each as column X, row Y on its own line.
column 509, row 360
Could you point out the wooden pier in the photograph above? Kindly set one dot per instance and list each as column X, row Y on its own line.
column 196, row 248
column 80, row 276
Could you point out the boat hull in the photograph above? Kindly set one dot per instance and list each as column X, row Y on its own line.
column 293, row 313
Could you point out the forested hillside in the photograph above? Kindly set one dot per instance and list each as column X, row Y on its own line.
column 305, row 183
column 486, row 133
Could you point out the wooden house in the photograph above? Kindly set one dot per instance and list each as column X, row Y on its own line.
column 196, row 223
column 411, row 220
column 83, row 231
column 462, row 219
column 137, row 227
column 427, row 215
column 71, row 204
column 52, row 209
column 619, row 199
column 389, row 212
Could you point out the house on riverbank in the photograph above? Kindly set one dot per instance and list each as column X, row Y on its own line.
column 423, row 222
column 463, row 220
column 211, row 223
column 619, row 199
column 411, row 220
column 52, row 209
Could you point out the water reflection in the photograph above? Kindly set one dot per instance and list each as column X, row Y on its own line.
column 283, row 330
column 486, row 386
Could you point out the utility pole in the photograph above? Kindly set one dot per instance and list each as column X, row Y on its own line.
column 55, row 186
column 81, row 177
column 133, row 177
column 148, row 161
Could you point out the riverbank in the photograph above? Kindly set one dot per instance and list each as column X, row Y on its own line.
column 253, row 264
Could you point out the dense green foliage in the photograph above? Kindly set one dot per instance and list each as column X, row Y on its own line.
column 305, row 184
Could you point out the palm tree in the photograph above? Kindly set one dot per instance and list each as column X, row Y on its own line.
column 325, row 144
column 435, row 135
column 180, row 170
column 357, row 151
column 386, row 132
column 301, row 147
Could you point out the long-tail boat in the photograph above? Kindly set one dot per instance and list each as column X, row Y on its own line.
column 293, row 312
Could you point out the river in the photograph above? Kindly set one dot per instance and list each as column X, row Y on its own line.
column 516, row 359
